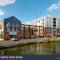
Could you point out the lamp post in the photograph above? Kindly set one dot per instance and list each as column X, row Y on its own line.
column 36, row 8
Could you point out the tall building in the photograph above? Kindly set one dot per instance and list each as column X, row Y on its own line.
column 10, row 28
column 49, row 25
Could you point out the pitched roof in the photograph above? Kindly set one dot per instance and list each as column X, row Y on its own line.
column 12, row 19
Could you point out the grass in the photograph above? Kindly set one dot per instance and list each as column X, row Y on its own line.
column 46, row 39
column 54, row 39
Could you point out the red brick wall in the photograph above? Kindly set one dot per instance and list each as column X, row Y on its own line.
column 18, row 35
column 6, row 35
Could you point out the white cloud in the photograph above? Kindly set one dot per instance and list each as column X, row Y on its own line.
column 6, row 2
column 54, row 7
column 1, row 12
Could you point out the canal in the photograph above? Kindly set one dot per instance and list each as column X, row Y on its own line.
column 50, row 48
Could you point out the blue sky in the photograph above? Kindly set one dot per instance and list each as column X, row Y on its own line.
column 25, row 10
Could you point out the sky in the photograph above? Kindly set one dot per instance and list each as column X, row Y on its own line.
column 25, row 10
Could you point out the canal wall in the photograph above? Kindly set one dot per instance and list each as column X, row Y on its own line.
column 11, row 43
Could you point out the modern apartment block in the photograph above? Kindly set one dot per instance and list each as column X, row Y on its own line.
column 49, row 26
column 10, row 28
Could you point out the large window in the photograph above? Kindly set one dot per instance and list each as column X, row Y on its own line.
column 54, row 22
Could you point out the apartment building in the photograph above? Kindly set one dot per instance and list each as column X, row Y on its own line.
column 47, row 26
column 10, row 28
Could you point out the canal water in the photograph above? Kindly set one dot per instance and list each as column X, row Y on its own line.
column 50, row 48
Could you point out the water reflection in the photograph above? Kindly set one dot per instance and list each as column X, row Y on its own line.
column 33, row 49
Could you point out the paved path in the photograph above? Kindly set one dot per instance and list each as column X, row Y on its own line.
column 8, row 43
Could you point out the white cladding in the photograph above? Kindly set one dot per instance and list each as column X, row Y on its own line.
column 46, row 21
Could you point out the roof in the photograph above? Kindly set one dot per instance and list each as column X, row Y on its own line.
column 12, row 19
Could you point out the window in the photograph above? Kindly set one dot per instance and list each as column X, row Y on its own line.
column 54, row 25
column 54, row 18
column 54, row 22
column 8, row 25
